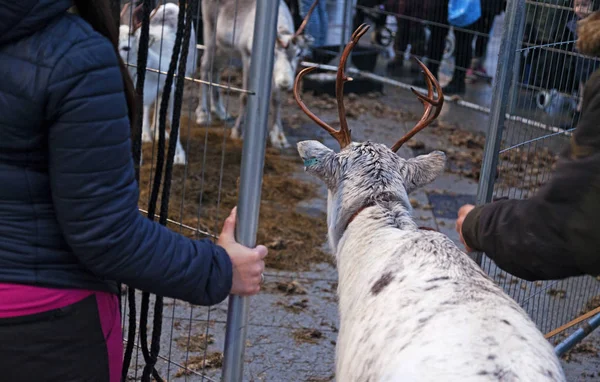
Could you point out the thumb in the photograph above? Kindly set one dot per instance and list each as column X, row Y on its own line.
column 228, row 232
column 262, row 251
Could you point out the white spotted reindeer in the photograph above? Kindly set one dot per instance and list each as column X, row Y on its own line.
column 162, row 31
column 412, row 305
column 228, row 31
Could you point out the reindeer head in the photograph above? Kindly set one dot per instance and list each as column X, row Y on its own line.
column 366, row 173
column 131, row 21
column 289, row 47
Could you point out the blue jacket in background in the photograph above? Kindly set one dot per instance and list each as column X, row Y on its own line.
column 68, row 197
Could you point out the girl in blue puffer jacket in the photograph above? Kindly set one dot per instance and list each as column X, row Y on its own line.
column 68, row 201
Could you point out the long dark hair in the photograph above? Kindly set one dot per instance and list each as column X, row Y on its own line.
column 98, row 13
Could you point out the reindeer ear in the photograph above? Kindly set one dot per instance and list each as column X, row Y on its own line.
column 318, row 158
column 423, row 169
column 137, row 16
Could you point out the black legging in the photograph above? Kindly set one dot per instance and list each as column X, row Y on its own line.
column 483, row 25
column 436, row 12
column 464, row 40
column 410, row 31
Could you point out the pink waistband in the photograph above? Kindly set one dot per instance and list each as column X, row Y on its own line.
column 21, row 300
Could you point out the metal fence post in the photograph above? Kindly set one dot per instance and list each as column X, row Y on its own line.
column 515, row 13
column 514, row 94
column 253, row 157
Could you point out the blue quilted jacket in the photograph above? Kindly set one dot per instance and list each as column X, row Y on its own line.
column 68, row 195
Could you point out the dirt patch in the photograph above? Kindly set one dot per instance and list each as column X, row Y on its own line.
column 558, row 293
column 321, row 379
column 311, row 336
column 294, row 307
column 203, row 194
column 592, row 304
column 289, row 288
column 195, row 343
column 522, row 168
column 212, row 361
column 581, row 348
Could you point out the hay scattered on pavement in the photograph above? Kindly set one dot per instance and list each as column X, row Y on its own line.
column 213, row 360
column 311, row 336
column 202, row 196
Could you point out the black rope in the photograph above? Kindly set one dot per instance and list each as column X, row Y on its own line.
column 142, row 61
column 183, row 28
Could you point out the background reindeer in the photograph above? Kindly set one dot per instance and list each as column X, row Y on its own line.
column 413, row 306
column 218, row 18
column 163, row 27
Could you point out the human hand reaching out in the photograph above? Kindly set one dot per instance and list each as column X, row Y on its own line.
column 248, row 263
column 462, row 214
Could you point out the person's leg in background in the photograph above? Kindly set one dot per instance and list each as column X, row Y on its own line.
column 408, row 32
column 436, row 12
column 323, row 22
column 462, row 59
column 489, row 10
column 402, row 37
column 482, row 28
column 417, row 37
column 314, row 26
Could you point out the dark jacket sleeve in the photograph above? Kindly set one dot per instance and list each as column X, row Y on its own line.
column 556, row 233
column 95, row 193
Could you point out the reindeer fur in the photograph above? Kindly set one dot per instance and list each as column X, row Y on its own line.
column 412, row 305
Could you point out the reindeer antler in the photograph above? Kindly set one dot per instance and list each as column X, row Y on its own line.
column 301, row 27
column 343, row 134
column 428, row 103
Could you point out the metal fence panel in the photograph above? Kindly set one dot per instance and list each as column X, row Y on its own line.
column 193, row 338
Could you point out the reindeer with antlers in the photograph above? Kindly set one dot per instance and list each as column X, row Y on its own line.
column 413, row 306
column 219, row 17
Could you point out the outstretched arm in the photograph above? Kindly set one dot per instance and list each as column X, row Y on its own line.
column 520, row 236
